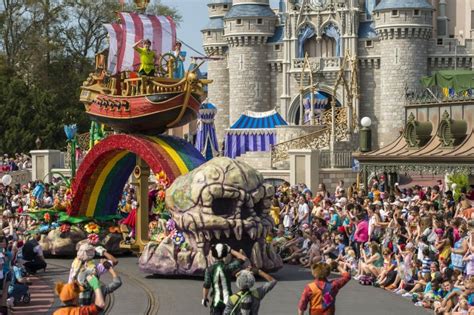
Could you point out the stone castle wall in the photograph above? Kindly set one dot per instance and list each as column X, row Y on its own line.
column 403, row 63
column 249, row 79
column 218, row 94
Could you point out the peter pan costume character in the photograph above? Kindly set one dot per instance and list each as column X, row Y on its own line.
column 147, row 58
column 217, row 278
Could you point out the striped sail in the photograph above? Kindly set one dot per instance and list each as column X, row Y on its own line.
column 160, row 30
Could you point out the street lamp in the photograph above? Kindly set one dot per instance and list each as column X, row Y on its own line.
column 70, row 131
column 365, row 135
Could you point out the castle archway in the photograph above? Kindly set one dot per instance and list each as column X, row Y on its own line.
column 100, row 179
column 321, row 102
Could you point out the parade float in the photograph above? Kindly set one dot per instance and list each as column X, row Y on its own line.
column 197, row 203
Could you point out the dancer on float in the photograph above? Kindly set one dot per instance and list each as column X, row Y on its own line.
column 217, row 277
column 147, row 57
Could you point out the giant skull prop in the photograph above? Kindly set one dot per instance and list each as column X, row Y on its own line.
column 224, row 201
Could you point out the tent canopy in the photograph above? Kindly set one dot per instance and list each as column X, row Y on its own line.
column 256, row 120
column 459, row 80
column 253, row 131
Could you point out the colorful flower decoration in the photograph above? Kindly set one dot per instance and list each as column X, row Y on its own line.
column 93, row 239
column 47, row 217
column 178, row 238
column 114, row 229
column 92, row 227
column 161, row 195
column 65, row 228
column 171, row 225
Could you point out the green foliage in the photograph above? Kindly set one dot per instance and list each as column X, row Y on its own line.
column 461, row 181
column 47, row 50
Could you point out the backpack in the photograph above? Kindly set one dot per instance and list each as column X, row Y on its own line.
column 238, row 298
column 28, row 250
column 366, row 280
column 321, row 297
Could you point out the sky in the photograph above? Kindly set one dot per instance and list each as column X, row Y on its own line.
column 195, row 17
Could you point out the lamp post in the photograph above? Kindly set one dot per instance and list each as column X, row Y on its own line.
column 70, row 131
column 365, row 135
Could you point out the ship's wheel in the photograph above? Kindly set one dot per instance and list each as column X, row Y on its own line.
column 166, row 64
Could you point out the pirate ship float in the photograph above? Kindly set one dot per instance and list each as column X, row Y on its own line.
column 115, row 95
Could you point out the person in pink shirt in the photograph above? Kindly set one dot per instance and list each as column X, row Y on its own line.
column 361, row 234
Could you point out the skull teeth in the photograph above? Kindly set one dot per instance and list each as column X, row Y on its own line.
column 227, row 233
column 259, row 229
column 252, row 232
column 238, row 230
column 217, row 234
column 207, row 233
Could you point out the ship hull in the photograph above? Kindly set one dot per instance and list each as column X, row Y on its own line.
column 153, row 113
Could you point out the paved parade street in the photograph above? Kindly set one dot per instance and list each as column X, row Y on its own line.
column 183, row 296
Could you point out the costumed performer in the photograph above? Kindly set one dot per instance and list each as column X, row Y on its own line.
column 247, row 300
column 218, row 277
column 180, row 57
column 147, row 57
column 321, row 293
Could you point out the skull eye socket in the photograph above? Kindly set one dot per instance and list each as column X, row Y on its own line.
column 223, row 206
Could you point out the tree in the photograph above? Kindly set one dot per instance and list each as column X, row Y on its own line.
column 47, row 50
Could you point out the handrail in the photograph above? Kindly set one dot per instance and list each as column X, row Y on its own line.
column 315, row 140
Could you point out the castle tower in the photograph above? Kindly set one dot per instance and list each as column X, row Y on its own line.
column 214, row 43
column 248, row 25
column 404, row 29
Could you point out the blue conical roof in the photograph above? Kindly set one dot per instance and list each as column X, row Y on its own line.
column 219, row 2
column 403, row 4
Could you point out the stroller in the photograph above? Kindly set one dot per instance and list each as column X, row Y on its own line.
column 18, row 292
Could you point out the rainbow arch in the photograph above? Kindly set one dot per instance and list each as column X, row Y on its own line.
column 98, row 185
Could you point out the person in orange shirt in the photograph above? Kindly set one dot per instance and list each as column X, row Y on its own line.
column 69, row 295
column 321, row 293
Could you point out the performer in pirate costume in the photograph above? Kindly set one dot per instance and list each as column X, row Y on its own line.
column 217, row 277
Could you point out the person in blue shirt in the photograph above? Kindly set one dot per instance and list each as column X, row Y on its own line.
column 450, row 298
column 179, row 61
column 18, row 286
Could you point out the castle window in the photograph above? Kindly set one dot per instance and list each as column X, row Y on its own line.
column 213, row 7
column 439, row 42
column 259, row 21
column 394, row 12
column 277, row 47
column 377, row 15
column 208, row 33
column 416, row 13
column 239, row 22
column 369, row 43
column 225, row 6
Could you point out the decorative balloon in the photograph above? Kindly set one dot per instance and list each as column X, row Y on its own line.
column 7, row 179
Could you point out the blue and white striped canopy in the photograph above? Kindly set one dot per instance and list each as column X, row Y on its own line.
column 256, row 120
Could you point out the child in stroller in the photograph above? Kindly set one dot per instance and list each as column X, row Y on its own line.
column 18, row 290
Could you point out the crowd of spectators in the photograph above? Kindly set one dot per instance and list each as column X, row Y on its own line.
column 14, row 163
column 415, row 242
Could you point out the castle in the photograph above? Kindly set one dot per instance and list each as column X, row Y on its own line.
column 260, row 54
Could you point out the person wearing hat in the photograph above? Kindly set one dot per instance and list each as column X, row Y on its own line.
column 217, row 277
column 247, row 300
column 147, row 57
column 69, row 296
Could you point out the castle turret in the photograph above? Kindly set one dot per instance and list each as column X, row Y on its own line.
column 248, row 25
column 404, row 29
column 214, row 43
